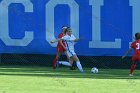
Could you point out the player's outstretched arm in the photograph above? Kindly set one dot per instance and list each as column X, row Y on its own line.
column 54, row 41
column 127, row 52
column 77, row 39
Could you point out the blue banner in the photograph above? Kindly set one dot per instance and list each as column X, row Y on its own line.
column 107, row 27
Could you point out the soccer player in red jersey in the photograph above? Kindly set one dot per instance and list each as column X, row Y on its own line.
column 136, row 56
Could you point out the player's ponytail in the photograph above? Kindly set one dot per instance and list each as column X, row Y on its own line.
column 66, row 30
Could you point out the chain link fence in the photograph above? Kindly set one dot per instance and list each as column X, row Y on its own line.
column 0, row 58
column 105, row 62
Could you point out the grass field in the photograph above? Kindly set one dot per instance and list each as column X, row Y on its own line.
column 33, row 79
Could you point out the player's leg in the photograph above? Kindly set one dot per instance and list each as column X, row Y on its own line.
column 76, row 59
column 73, row 64
column 66, row 63
column 69, row 62
column 72, row 67
column 58, row 54
column 68, row 57
column 133, row 66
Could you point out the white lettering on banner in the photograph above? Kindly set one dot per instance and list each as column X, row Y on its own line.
column 74, row 22
column 135, row 17
column 4, row 29
column 74, row 17
column 96, row 28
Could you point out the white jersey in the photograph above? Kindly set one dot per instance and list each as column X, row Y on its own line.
column 69, row 44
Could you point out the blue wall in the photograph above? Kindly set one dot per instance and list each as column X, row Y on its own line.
column 115, row 18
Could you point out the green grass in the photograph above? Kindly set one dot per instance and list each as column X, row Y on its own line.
column 28, row 79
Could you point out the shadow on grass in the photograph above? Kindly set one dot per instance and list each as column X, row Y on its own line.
column 66, row 73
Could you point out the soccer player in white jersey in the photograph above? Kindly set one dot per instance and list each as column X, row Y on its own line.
column 70, row 39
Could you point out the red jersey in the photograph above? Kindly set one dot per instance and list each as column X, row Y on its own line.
column 136, row 46
column 60, row 36
column 60, row 48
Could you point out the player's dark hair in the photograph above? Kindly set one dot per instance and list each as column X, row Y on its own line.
column 137, row 36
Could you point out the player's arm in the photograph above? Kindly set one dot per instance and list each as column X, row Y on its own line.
column 56, row 40
column 77, row 39
column 127, row 52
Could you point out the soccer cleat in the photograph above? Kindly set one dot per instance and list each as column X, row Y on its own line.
column 56, row 64
column 54, row 67
column 72, row 68
column 81, row 71
column 131, row 75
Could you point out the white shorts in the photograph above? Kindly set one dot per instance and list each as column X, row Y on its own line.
column 71, row 53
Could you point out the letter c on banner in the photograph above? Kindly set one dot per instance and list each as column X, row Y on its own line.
column 4, row 29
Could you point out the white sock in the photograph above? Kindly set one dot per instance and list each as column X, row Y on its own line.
column 79, row 66
column 66, row 63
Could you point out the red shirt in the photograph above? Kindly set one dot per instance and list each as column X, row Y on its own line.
column 60, row 36
column 136, row 46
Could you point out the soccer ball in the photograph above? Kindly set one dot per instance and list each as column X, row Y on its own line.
column 94, row 70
